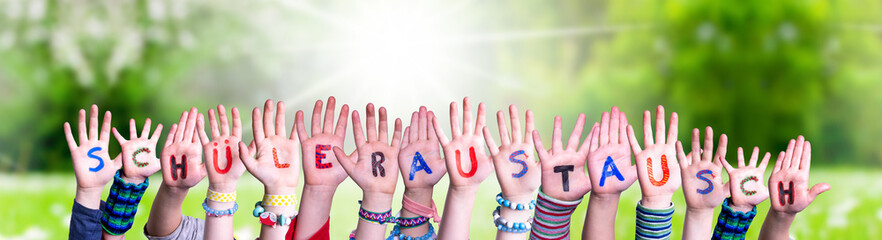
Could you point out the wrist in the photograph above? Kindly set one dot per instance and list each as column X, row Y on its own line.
column 741, row 208
column 463, row 189
column 781, row 216
column 656, row 202
column 604, row 197
column 277, row 190
column 223, row 187
column 89, row 197
column 420, row 195
column 132, row 179
column 376, row 201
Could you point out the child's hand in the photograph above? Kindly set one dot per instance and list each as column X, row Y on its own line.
column 788, row 184
column 374, row 163
column 320, row 166
column 745, row 182
column 517, row 170
column 609, row 159
column 139, row 153
column 702, row 179
column 91, row 161
column 467, row 165
column 657, row 167
column 276, row 164
column 563, row 170
column 181, row 158
column 224, row 166
column 424, row 171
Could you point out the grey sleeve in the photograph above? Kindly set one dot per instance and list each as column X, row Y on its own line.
column 190, row 228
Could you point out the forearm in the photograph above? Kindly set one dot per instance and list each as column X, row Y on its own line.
column 654, row 223
column 315, row 209
column 422, row 196
column 777, row 225
column 516, row 216
column 698, row 223
column 457, row 213
column 552, row 218
column 601, row 216
column 165, row 215
column 89, row 197
column 220, row 227
column 275, row 231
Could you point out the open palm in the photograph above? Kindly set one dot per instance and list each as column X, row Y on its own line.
column 467, row 164
column 609, row 159
column 791, row 174
column 320, row 166
column 702, row 171
column 745, row 182
column 569, row 162
column 277, row 157
column 139, row 153
column 374, row 163
column 223, row 164
column 181, row 158
column 517, row 170
column 91, row 161
column 657, row 168
column 425, row 170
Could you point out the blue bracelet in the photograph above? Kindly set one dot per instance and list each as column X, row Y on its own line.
column 512, row 227
column 519, row 206
column 219, row 213
column 396, row 232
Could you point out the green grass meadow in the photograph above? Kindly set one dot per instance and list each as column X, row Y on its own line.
column 37, row 206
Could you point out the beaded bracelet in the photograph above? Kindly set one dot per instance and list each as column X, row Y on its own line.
column 512, row 227
column 376, row 217
column 269, row 218
column 396, row 232
column 519, row 206
column 219, row 213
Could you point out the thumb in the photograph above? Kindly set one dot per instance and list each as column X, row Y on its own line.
column 345, row 161
column 727, row 189
column 817, row 189
column 246, row 157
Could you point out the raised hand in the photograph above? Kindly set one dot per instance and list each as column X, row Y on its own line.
column 91, row 161
column 224, row 166
column 139, row 153
column 181, row 158
column 467, row 164
column 517, row 170
column 320, row 166
column 276, row 163
column 789, row 185
column 563, row 170
column 657, row 167
column 701, row 171
column 746, row 181
column 609, row 159
column 420, row 156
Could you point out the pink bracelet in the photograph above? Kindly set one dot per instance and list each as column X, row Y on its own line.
column 419, row 209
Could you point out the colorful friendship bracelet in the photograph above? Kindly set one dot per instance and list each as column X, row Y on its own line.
column 552, row 217
column 509, row 226
column 271, row 219
column 376, row 217
column 410, row 222
column 396, row 232
column 520, row 207
column 732, row 224
column 221, row 197
column 121, row 205
column 219, row 213
column 654, row 223
column 279, row 200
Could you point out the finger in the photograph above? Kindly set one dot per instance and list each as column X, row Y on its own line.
column 212, row 122
column 93, row 122
column 200, row 128
column 721, row 148
column 342, row 121
column 237, row 123
column 301, row 129
column 797, row 152
column 647, row 129
column 466, row 115
column 440, row 132
column 779, row 162
column 171, row 132
column 660, row 124
column 257, row 124
column 329, row 115
column 635, row 147
column 411, row 133
column 396, row 135
column 604, row 129
column 729, row 168
column 422, row 124
column 268, row 128
column 383, row 136
column 482, row 119
column 515, row 124
column 133, row 129
column 200, row 120
column 595, row 139
column 431, row 127
column 540, row 148
column 806, row 161
column 531, row 124
column 81, row 129
column 105, row 127
column 576, row 134
column 696, row 146
column 280, row 119
column 146, row 131
column 357, row 132
column 224, row 121
column 345, row 161
column 556, row 135
column 788, row 155
column 684, row 160
column 740, row 155
column 672, row 132
column 489, row 139
column 817, row 189
column 190, row 128
column 156, row 133
column 316, row 118
column 119, row 138
column 371, row 123
column 623, row 128
column 246, row 156
column 587, row 143
column 455, row 130
column 707, row 154
column 71, row 143
column 765, row 161
column 503, row 131
column 405, row 140
column 753, row 157
column 614, row 125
